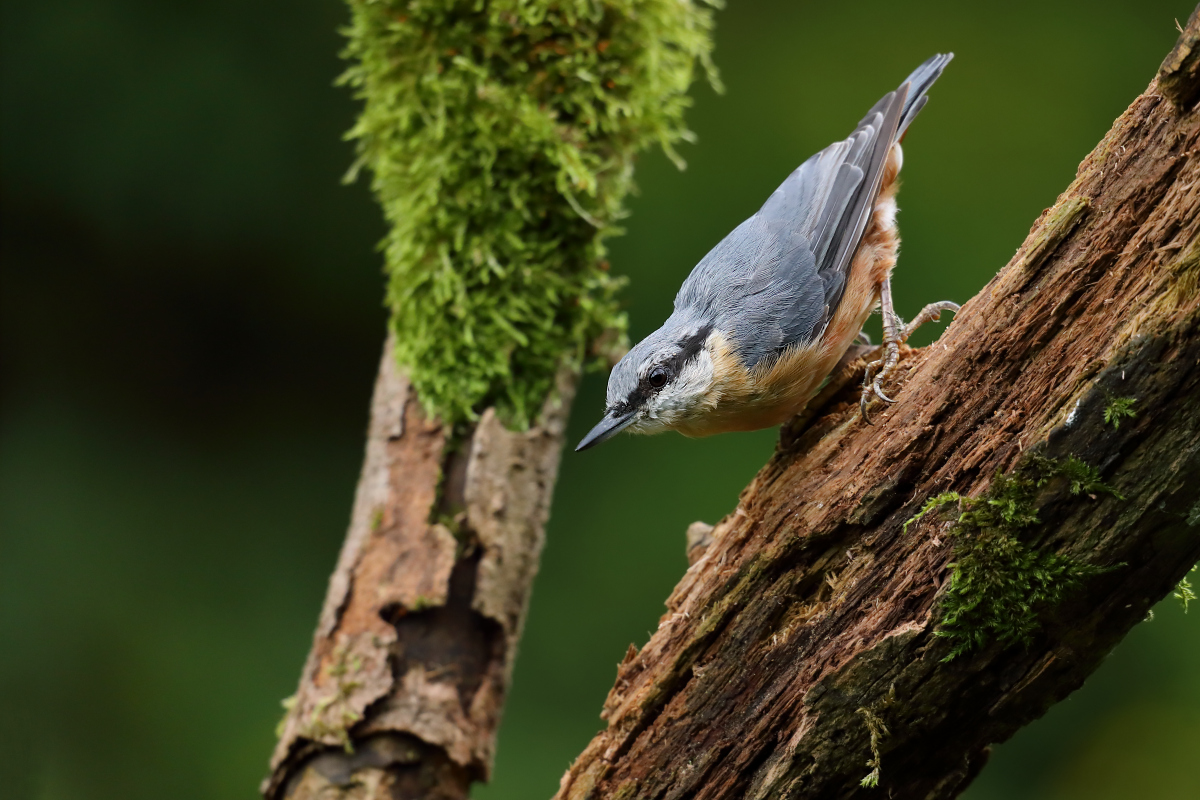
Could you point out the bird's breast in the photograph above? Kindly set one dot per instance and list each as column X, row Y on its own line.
column 741, row 399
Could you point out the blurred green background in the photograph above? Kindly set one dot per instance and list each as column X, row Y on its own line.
column 191, row 322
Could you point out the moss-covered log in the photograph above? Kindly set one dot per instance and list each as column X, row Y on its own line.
column 500, row 137
column 886, row 602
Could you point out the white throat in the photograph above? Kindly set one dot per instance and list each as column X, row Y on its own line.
column 689, row 394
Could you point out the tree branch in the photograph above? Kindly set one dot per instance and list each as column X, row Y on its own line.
column 886, row 602
column 500, row 139
column 419, row 630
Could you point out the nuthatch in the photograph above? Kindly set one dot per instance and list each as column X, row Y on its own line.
column 768, row 313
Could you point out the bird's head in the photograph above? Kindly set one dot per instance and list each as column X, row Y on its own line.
column 665, row 380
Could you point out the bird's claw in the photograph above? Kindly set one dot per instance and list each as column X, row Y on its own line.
column 862, row 409
column 895, row 333
column 866, row 390
column 873, row 387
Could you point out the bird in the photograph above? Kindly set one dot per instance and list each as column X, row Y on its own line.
column 767, row 314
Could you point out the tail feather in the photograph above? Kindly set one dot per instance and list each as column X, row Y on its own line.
column 919, row 82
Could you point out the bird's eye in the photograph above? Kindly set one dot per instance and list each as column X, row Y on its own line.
column 658, row 377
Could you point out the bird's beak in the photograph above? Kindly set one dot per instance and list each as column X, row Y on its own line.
column 610, row 426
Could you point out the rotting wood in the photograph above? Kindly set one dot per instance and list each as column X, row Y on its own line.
column 800, row 654
column 1179, row 76
column 402, row 690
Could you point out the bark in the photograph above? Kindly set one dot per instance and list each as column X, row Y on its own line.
column 402, row 691
column 804, row 652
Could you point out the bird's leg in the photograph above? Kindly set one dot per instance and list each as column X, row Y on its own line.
column 893, row 329
column 895, row 333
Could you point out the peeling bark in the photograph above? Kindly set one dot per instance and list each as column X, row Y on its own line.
column 802, row 655
column 402, row 691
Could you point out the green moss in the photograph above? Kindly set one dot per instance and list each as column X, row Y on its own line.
column 878, row 730
column 1184, row 592
column 1081, row 478
column 1119, row 408
column 500, row 137
column 933, row 504
column 999, row 582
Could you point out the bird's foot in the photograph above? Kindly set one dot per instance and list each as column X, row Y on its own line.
column 895, row 333
column 891, row 355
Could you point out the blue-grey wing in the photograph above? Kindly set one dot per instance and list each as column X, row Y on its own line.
column 831, row 196
column 778, row 278
column 760, row 285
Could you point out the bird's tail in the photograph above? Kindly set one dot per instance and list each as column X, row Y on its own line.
column 918, row 83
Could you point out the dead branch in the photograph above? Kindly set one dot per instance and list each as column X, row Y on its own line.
column 404, row 685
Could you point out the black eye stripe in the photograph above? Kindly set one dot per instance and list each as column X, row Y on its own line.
column 691, row 347
column 646, row 388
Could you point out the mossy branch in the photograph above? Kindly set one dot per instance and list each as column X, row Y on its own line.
column 500, row 138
